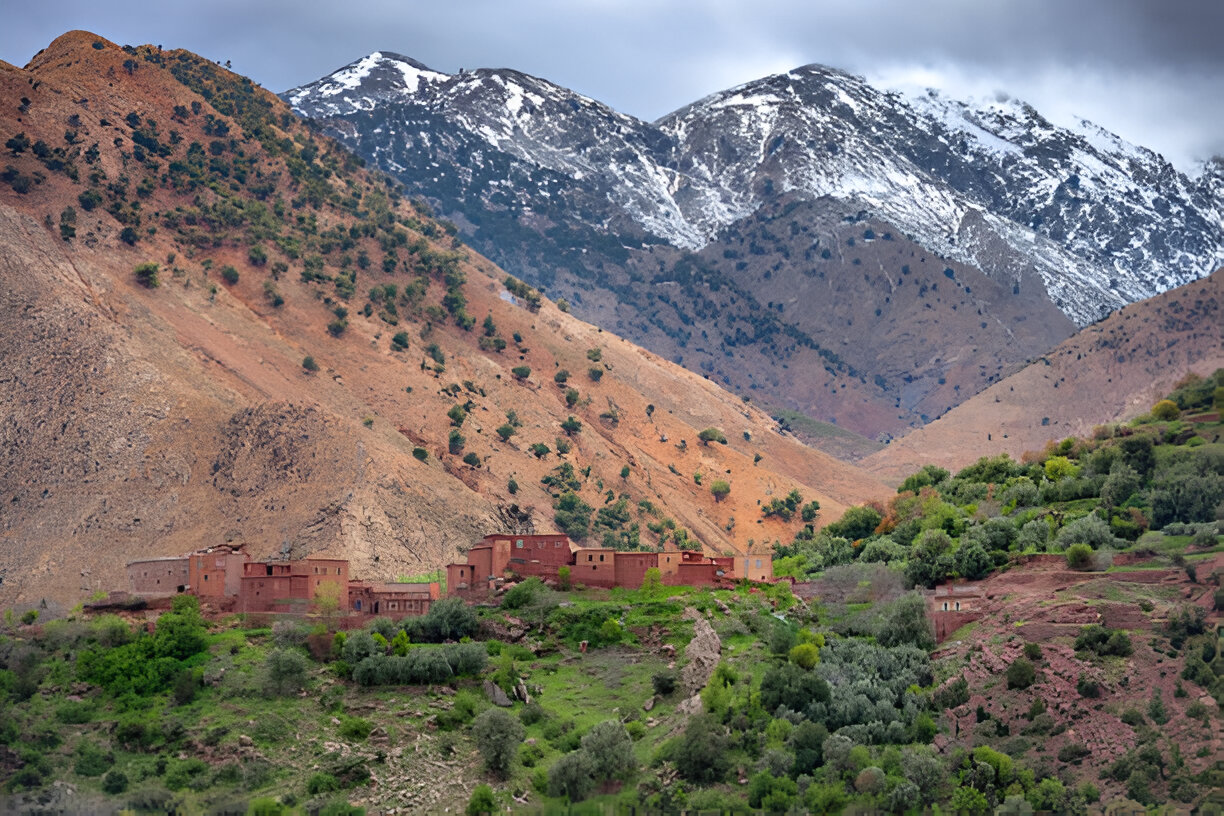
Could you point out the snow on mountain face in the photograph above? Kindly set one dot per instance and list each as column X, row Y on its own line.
column 995, row 185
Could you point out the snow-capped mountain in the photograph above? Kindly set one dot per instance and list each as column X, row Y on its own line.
column 994, row 185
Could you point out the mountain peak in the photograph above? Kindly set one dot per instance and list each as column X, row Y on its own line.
column 382, row 72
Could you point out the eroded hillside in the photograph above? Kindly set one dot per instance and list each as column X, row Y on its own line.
column 158, row 410
column 1113, row 370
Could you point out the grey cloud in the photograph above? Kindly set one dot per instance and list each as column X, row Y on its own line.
column 1151, row 71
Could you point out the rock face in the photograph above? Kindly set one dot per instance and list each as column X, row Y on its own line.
column 701, row 654
column 669, row 232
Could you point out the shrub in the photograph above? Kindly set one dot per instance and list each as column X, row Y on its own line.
column 1079, row 557
column 571, row 426
column 572, row 776
column 309, row 363
column 720, row 489
column 701, row 754
column 322, row 783
column 532, row 713
column 420, row 453
column 664, row 682
column 284, row 672
column 115, row 781
column 1090, row 530
column 146, row 275
column 482, row 801
column 1166, row 411
column 471, row 459
column 506, row 431
column 355, row 728
column 610, row 748
column 498, row 735
column 521, row 372
column 1020, row 674
column 522, row 594
column 805, row 655
column 92, row 760
column 595, row 373
column 1087, row 687
column 1156, row 709
column 399, row 341
column 229, row 274
column 1032, row 651
column 712, row 435
column 1104, row 642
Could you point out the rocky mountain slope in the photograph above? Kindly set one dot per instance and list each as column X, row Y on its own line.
column 217, row 326
column 1111, row 371
column 604, row 209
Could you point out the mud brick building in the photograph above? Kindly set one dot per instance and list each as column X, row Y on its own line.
column 496, row 558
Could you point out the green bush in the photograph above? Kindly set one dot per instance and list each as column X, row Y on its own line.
column 610, row 748
column 355, row 728
column 1104, row 642
column 701, row 754
column 572, row 776
column 1087, row 687
column 284, row 672
column 1021, row 674
column 322, row 783
column 1079, row 557
column 92, row 760
column 114, row 782
column 229, row 274
column 497, row 734
column 146, row 275
column 482, row 801
column 522, row 594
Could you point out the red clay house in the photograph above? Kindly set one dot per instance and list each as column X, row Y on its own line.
column 497, row 557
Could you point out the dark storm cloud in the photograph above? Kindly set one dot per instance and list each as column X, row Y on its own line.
column 1151, row 71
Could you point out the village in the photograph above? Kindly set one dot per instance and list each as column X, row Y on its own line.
column 225, row 577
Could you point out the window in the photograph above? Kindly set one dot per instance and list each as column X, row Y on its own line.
column 601, row 556
column 758, row 563
column 958, row 606
column 337, row 570
column 557, row 544
column 539, row 545
column 518, row 543
column 206, row 576
column 945, row 606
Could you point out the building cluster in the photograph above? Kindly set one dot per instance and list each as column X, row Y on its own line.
column 226, row 577
column 498, row 557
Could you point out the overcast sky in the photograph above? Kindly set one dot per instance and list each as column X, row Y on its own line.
column 1150, row 70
